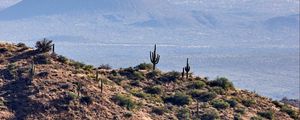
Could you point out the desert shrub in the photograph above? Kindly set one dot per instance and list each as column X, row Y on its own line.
column 266, row 114
column 72, row 95
column 232, row 102
column 128, row 114
column 88, row 67
column 203, row 96
column 86, row 100
column 105, row 66
column 222, row 82
column 42, row 59
column 256, row 118
column 278, row 104
column 124, row 101
column 22, row 45
column 77, row 65
column 178, row 99
column 153, row 74
column 135, row 83
column 170, row 76
column 132, row 74
column 158, row 110
column 210, row 115
column 237, row 117
column 3, row 50
column 183, row 114
column 144, row 66
column 153, row 90
column 248, row 102
column 43, row 74
column 43, row 45
column 220, row 104
column 197, row 84
column 62, row 59
column 139, row 94
column 292, row 113
column 240, row 110
column 218, row 90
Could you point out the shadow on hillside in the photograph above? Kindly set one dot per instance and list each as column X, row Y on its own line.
column 17, row 95
column 24, row 55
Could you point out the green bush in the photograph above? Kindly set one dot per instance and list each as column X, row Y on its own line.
column 153, row 90
column 183, row 114
column 62, row 59
column 132, row 74
column 41, row 59
column 292, row 113
column 197, row 84
column 124, row 101
column 266, row 114
column 86, row 100
column 153, row 74
column 144, row 66
column 210, row 115
column 232, row 102
column 158, row 111
column 256, row 118
column 203, row 96
column 240, row 110
column 139, row 94
column 170, row 76
column 178, row 99
column 237, row 117
column 220, row 104
column 128, row 114
column 88, row 67
column 248, row 102
column 77, row 65
column 278, row 104
column 105, row 66
column 222, row 82
column 218, row 90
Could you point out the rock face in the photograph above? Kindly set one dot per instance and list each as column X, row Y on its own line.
column 66, row 89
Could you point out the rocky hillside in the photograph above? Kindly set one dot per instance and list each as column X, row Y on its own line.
column 41, row 85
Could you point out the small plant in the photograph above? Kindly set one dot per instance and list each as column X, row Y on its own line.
column 72, row 95
column 44, row 45
column 105, row 67
column 237, row 117
column 267, row 114
column 86, row 100
column 197, row 84
column 210, row 115
column 203, row 96
column 232, row 102
column 222, row 82
column 158, row 110
column 153, row 90
column 187, row 68
column 292, row 113
column 42, row 59
column 154, row 58
column 62, row 59
column 88, row 67
column 124, row 101
column 144, row 66
column 248, row 102
column 220, row 104
column 256, row 118
column 218, row 90
column 183, row 114
column 179, row 99
column 128, row 114
column 170, row 77
column 153, row 74
column 240, row 110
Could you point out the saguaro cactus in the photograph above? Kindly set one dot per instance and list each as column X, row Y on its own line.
column 154, row 58
column 183, row 73
column 99, row 81
column 32, row 70
column 187, row 68
column 53, row 49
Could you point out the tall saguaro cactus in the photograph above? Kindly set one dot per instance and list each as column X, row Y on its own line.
column 154, row 58
column 183, row 73
column 187, row 68
column 32, row 71
column 53, row 49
